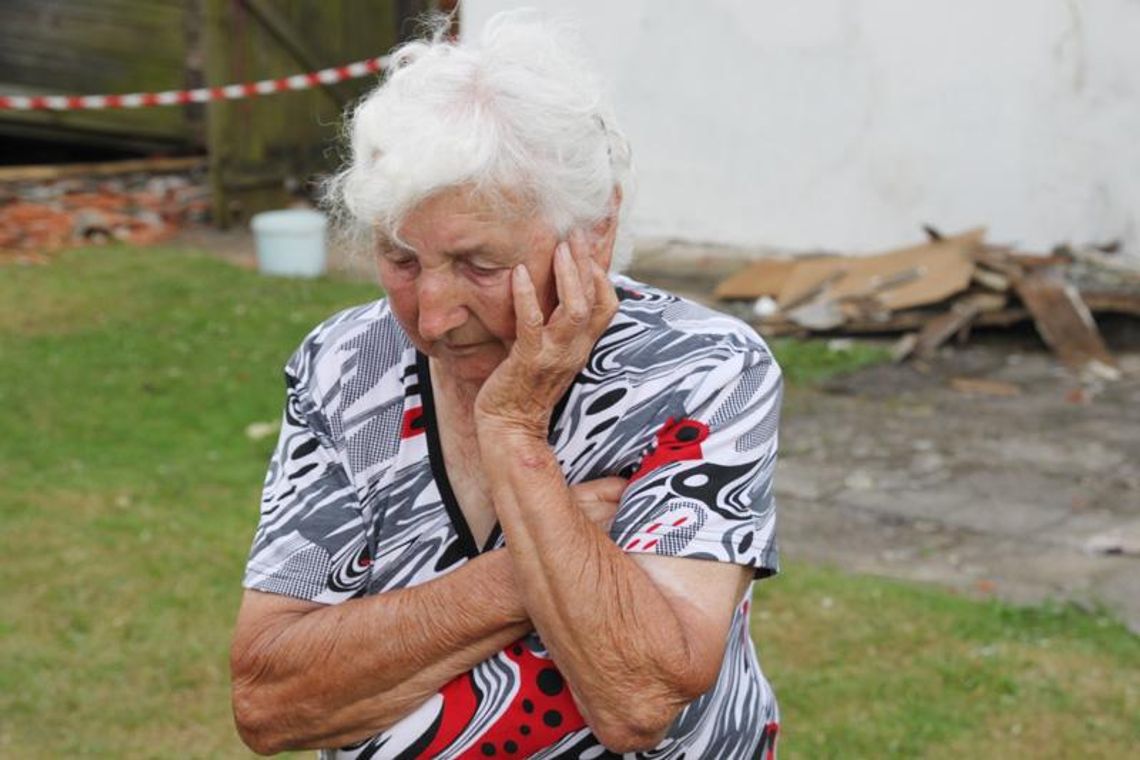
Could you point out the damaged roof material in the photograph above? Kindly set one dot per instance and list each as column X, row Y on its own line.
column 943, row 288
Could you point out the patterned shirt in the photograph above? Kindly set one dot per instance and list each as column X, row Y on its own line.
column 681, row 399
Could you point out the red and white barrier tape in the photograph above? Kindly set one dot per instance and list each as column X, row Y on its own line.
column 200, row 95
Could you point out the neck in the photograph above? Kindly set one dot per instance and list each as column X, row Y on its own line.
column 460, row 394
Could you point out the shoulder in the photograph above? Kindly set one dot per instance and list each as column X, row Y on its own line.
column 663, row 358
column 660, row 337
column 366, row 336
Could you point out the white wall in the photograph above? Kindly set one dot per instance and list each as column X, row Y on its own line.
column 848, row 123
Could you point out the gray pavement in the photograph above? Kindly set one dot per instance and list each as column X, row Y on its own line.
column 890, row 471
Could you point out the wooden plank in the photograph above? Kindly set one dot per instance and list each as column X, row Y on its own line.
column 998, row 260
column 1063, row 320
column 899, row 321
column 301, row 50
column 194, row 68
column 1116, row 301
column 50, row 47
column 257, row 146
column 49, row 172
column 215, row 46
column 94, row 134
column 991, row 279
column 958, row 317
column 940, row 329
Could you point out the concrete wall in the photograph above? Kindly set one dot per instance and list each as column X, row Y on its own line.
column 848, row 123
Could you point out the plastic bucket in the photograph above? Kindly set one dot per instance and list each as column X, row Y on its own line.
column 290, row 243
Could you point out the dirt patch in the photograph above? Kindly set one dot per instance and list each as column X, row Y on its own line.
column 1026, row 497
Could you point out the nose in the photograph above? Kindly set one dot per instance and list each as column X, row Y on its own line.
column 441, row 306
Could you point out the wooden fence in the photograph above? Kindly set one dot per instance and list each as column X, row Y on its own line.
column 259, row 149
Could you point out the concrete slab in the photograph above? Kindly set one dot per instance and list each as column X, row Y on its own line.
column 985, row 502
column 1019, row 497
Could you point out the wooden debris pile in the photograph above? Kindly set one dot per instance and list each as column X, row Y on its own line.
column 943, row 289
column 45, row 208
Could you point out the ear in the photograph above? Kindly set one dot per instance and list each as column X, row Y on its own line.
column 605, row 231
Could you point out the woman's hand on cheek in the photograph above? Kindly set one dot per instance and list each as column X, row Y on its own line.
column 547, row 354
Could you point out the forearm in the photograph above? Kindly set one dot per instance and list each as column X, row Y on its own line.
column 374, row 713
column 344, row 672
column 588, row 599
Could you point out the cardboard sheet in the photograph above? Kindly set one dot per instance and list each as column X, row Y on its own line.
column 913, row 276
column 760, row 278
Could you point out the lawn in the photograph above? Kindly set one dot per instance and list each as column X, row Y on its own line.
column 128, row 497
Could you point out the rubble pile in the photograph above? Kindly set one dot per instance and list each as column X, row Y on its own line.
column 54, row 208
column 942, row 289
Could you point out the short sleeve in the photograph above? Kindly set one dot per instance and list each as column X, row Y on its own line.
column 311, row 542
column 704, row 488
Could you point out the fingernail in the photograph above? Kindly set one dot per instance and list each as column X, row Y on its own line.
column 522, row 273
column 564, row 248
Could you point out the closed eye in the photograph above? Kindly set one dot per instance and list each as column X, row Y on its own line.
column 482, row 271
column 400, row 259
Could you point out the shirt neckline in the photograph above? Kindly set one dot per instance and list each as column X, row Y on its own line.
column 439, row 472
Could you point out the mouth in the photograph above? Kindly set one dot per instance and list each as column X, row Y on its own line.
column 462, row 349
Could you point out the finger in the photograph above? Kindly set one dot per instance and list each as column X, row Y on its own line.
column 571, row 299
column 603, row 489
column 583, row 255
column 528, row 313
column 606, row 301
column 611, row 489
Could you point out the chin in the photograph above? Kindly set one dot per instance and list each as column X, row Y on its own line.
column 469, row 366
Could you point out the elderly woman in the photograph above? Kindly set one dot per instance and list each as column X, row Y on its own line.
column 517, row 504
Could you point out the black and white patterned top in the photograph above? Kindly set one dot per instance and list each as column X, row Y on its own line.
column 681, row 399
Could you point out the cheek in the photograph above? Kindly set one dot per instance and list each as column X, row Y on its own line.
column 496, row 309
column 402, row 300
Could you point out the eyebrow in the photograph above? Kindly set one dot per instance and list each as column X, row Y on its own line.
column 477, row 251
column 393, row 246
column 389, row 245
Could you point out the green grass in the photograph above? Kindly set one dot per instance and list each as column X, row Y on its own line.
column 129, row 491
column 809, row 362
column 128, row 497
column 866, row 667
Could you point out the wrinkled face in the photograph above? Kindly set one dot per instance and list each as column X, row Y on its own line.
column 450, row 287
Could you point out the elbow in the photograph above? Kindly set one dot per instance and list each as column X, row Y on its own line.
column 631, row 732
column 254, row 731
column 257, row 725
column 642, row 723
column 639, row 726
column 270, row 714
column 260, row 715
column 624, row 741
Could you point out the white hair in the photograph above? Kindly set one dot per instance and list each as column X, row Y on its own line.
column 516, row 115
